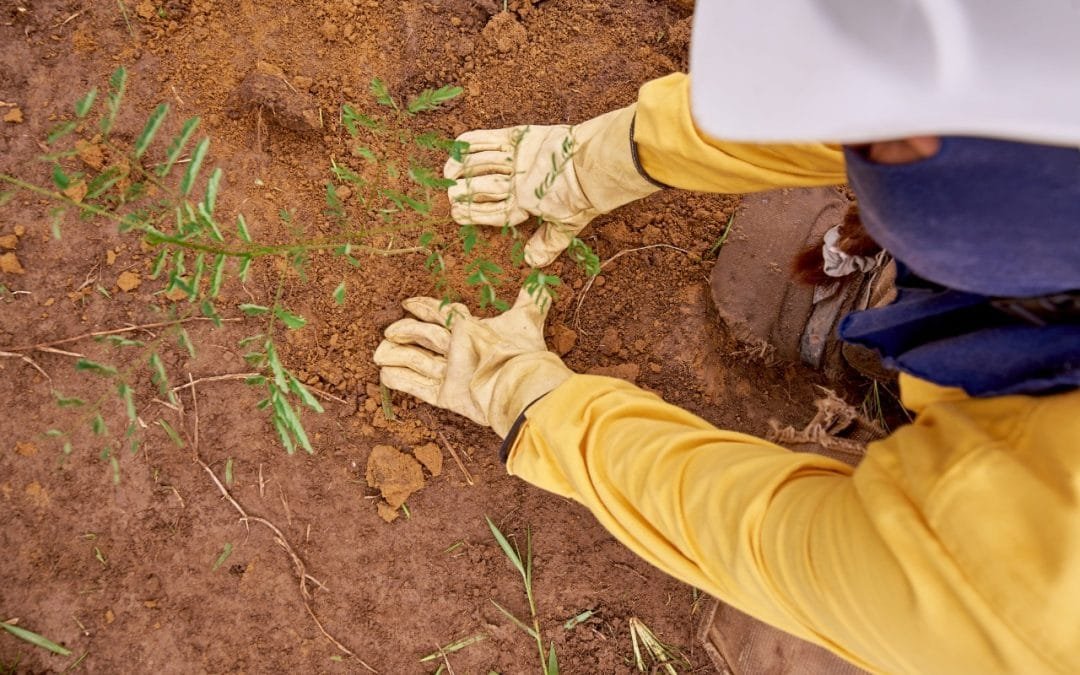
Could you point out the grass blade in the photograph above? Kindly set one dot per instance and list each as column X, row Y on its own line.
column 35, row 639
column 518, row 622
column 509, row 550
column 142, row 143
column 552, row 662
column 225, row 553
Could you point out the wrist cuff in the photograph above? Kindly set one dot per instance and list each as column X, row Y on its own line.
column 511, row 436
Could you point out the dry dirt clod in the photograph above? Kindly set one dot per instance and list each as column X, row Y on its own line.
column 273, row 95
column 394, row 474
column 26, row 449
column 9, row 264
column 128, row 281
column 14, row 116
column 9, row 241
column 563, row 339
column 431, row 457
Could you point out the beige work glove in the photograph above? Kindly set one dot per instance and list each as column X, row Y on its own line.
column 566, row 175
column 488, row 370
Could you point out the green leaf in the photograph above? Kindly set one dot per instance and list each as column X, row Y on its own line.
column 430, row 99
column 584, row 256
column 225, row 553
column 253, row 310
column 196, row 275
column 159, row 377
column 343, row 173
column 117, row 87
column 121, row 341
column 229, row 471
column 509, row 550
column 291, row 420
column 184, row 340
column 35, row 639
column 197, row 157
column 171, row 433
column 469, row 236
column 83, row 105
column 217, row 276
column 552, row 662
column 209, row 312
column 94, row 367
column 290, row 320
column 382, row 94
column 59, row 178
column 65, row 402
column 241, row 227
column 366, row 153
column 60, row 130
column 339, row 293
column 518, row 622
column 281, row 380
column 305, row 395
column 283, row 434
column 245, row 265
column 212, row 185
column 54, row 433
column 424, row 176
column 176, row 147
column 142, row 143
column 350, row 118
column 102, row 182
column 98, row 425
column 127, row 394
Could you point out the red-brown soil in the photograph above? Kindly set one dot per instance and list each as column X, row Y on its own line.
column 124, row 574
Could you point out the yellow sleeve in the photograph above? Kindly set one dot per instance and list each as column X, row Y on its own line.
column 954, row 547
column 671, row 150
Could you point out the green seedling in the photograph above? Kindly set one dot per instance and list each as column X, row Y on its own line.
column 222, row 557
column 577, row 619
column 34, row 639
column 661, row 657
column 549, row 663
column 229, row 471
column 714, row 250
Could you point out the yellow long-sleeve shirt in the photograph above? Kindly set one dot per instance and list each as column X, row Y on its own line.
column 954, row 546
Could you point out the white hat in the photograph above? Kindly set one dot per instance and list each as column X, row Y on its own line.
column 855, row 71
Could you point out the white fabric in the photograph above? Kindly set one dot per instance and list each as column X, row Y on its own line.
column 840, row 263
column 852, row 71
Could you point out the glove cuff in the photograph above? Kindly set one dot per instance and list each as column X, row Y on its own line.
column 605, row 161
column 520, row 382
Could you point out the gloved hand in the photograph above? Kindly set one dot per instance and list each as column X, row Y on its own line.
column 566, row 175
column 488, row 370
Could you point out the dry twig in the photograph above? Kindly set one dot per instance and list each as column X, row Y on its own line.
column 27, row 359
column 298, row 564
column 453, row 453
column 41, row 346
column 244, row 376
